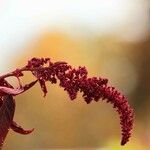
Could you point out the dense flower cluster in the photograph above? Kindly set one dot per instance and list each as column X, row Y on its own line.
column 73, row 81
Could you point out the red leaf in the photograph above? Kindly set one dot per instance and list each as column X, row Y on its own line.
column 28, row 86
column 11, row 91
column 6, row 116
column 15, row 127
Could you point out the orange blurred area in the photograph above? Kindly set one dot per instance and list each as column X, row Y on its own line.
column 61, row 123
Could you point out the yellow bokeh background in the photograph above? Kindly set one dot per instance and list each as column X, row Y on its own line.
column 61, row 123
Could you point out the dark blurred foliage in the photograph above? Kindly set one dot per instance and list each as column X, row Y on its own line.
column 141, row 94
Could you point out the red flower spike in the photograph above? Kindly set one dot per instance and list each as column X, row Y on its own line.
column 73, row 81
column 6, row 116
column 17, row 128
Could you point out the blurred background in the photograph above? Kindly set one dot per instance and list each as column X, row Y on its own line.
column 111, row 38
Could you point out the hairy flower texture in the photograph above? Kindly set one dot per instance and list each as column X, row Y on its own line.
column 73, row 81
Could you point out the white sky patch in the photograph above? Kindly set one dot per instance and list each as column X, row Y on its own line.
column 22, row 20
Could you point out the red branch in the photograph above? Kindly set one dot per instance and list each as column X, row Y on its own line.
column 73, row 81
